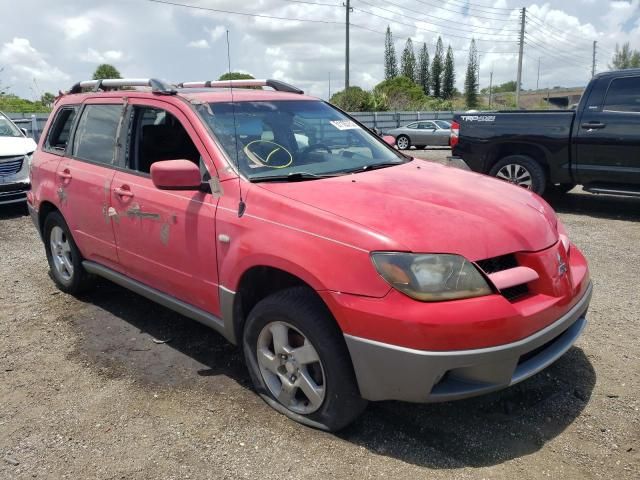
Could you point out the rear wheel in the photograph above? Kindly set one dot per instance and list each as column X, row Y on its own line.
column 65, row 260
column 298, row 360
column 522, row 171
column 403, row 142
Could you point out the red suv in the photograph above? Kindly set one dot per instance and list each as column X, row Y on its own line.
column 346, row 270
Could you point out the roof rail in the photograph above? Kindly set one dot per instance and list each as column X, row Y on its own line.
column 157, row 86
column 275, row 84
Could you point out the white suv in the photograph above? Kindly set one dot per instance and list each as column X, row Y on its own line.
column 15, row 156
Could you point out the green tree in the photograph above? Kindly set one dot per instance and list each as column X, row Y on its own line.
column 448, row 76
column 436, row 70
column 236, row 76
column 400, row 93
column 353, row 99
column 14, row 104
column 390, row 60
column 625, row 57
column 423, row 69
column 509, row 86
column 47, row 99
column 471, row 78
column 106, row 71
column 408, row 62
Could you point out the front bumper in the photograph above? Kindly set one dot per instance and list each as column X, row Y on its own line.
column 390, row 372
column 13, row 192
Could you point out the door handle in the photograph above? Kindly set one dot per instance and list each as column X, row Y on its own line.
column 65, row 174
column 123, row 191
column 593, row 125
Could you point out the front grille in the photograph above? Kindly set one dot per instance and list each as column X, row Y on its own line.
column 10, row 165
column 497, row 264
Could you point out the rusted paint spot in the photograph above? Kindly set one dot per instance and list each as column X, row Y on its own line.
column 62, row 195
column 164, row 233
column 105, row 213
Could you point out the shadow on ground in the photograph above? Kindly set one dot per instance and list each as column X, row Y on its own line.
column 598, row 206
column 117, row 338
column 13, row 210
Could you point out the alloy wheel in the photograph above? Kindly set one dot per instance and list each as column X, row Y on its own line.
column 403, row 143
column 61, row 253
column 516, row 174
column 291, row 368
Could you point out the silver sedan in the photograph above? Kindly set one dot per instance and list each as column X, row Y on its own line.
column 422, row 133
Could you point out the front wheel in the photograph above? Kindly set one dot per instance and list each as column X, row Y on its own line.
column 298, row 361
column 522, row 171
column 403, row 142
column 65, row 260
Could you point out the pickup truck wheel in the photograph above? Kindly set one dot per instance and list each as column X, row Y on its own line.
column 522, row 171
column 298, row 361
column 65, row 260
column 403, row 142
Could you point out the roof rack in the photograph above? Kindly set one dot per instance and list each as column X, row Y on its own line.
column 275, row 84
column 157, row 86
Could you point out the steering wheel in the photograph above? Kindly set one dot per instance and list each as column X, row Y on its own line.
column 315, row 146
column 266, row 157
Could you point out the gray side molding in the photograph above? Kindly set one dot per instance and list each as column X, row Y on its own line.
column 165, row 300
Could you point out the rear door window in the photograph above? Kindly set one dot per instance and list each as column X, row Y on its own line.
column 60, row 130
column 95, row 138
column 623, row 95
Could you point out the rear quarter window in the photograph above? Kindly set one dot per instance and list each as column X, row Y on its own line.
column 59, row 133
column 95, row 138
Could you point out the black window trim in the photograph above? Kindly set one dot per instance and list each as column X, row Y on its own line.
column 606, row 94
column 72, row 128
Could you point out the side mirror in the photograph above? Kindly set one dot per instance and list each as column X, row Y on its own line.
column 389, row 140
column 176, row 175
column 25, row 132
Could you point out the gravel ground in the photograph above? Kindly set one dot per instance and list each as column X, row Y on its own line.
column 86, row 392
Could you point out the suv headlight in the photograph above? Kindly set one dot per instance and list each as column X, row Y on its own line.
column 431, row 277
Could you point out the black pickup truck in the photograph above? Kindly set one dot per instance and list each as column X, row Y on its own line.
column 597, row 145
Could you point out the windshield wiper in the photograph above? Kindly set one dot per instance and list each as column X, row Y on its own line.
column 375, row 166
column 293, row 177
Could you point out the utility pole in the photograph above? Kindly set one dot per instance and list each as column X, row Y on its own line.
column 538, row 80
column 593, row 64
column 520, row 55
column 346, row 56
column 329, row 86
column 490, row 87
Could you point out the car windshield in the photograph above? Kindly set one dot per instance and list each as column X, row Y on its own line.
column 295, row 139
column 443, row 124
column 7, row 128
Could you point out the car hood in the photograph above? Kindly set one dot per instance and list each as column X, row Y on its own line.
column 16, row 146
column 425, row 207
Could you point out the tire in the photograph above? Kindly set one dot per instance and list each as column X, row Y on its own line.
column 299, row 318
column 65, row 260
column 403, row 142
column 521, row 170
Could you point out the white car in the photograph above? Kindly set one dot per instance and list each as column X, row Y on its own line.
column 16, row 150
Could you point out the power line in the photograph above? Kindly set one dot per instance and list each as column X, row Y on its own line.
column 435, row 5
column 433, row 17
column 473, row 6
column 552, row 54
column 432, row 31
column 230, row 12
column 485, row 52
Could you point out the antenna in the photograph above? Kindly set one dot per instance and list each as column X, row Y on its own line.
column 241, row 206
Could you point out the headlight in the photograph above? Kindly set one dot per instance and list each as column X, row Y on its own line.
column 431, row 277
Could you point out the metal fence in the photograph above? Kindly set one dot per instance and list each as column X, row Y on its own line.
column 387, row 120
column 34, row 122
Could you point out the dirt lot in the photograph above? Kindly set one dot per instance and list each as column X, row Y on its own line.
column 86, row 392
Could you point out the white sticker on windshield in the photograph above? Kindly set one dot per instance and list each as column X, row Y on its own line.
column 345, row 125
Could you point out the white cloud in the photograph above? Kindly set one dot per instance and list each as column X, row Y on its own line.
column 75, row 27
column 198, row 44
column 94, row 56
column 216, row 33
column 27, row 64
